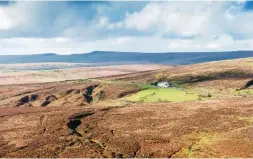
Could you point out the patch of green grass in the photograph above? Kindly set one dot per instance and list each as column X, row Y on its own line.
column 162, row 95
column 246, row 119
column 145, row 87
column 205, row 96
column 202, row 140
column 177, row 83
column 188, row 151
column 98, row 97
column 244, row 92
column 205, row 138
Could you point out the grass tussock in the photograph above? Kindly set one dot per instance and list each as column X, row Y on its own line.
column 248, row 119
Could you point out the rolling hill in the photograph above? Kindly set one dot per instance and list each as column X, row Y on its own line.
column 112, row 58
column 124, row 116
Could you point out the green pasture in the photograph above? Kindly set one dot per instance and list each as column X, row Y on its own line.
column 162, row 95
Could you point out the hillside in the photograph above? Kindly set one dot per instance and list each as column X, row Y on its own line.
column 112, row 58
column 52, row 72
column 203, row 116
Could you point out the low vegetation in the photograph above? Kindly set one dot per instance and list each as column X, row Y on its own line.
column 126, row 116
column 248, row 119
column 161, row 95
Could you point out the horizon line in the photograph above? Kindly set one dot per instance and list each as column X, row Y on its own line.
column 176, row 52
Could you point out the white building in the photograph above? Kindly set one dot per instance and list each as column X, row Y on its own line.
column 164, row 84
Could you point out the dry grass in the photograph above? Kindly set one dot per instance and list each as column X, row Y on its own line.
column 218, row 126
column 41, row 76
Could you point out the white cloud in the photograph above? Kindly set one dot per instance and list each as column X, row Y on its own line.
column 11, row 17
column 182, row 18
column 191, row 19
column 131, row 44
column 37, row 19
column 6, row 21
column 27, row 27
column 145, row 19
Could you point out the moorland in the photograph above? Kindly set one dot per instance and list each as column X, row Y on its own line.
column 204, row 114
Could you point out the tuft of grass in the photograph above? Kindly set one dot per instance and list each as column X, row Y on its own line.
column 202, row 139
column 98, row 143
column 248, row 119
column 188, row 151
column 145, row 87
column 205, row 96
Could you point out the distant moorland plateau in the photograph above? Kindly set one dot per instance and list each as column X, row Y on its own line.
column 103, row 58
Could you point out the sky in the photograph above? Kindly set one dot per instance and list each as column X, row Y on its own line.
column 66, row 27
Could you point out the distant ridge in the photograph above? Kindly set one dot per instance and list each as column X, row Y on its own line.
column 113, row 57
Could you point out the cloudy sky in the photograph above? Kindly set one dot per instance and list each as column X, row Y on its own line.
column 78, row 27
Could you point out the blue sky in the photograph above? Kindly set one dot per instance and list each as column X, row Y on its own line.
column 28, row 27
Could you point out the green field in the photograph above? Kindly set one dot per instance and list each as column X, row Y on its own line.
column 244, row 92
column 162, row 95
